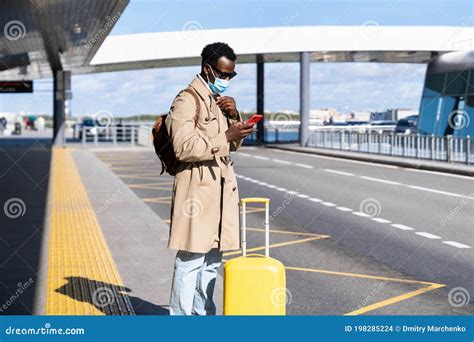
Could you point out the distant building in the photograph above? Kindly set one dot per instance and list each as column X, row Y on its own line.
column 325, row 114
column 360, row 116
column 403, row 113
column 382, row 116
column 391, row 114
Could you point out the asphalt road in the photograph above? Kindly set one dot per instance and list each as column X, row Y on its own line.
column 355, row 237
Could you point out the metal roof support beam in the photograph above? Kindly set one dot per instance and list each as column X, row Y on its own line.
column 62, row 86
column 260, row 99
column 304, row 97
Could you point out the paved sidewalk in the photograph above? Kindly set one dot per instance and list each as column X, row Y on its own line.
column 422, row 164
column 135, row 235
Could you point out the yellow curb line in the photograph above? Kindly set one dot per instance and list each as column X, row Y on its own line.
column 394, row 300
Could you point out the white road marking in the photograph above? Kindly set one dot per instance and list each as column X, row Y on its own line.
column 437, row 191
column 282, row 161
column 428, row 235
column 440, row 173
column 402, row 226
column 379, row 180
column 337, row 159
column 358, row 213
column 305, row 166
column 339, row 172
column 380, row 220
column 385, row 166
column 313, row 199
column 456, row 244
column 416, row 187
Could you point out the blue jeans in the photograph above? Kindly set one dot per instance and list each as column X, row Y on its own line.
column 194, row 280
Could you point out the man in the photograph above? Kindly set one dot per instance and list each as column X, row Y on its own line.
column 205, row 199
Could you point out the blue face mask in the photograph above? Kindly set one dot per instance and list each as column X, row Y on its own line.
column 219, row 86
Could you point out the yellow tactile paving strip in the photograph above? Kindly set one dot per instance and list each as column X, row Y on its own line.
column 82, row 276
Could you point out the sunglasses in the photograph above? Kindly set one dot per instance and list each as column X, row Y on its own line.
column 223, row 75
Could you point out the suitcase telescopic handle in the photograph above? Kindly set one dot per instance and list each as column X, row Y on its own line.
column 244, row 202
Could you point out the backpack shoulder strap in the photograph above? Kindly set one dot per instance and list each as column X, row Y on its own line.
column 196, row 100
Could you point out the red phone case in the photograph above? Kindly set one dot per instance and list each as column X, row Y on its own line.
column 254, row 118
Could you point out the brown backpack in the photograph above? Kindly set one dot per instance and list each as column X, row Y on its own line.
column 162, row 140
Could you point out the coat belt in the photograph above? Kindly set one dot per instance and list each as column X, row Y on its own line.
column 224, row 164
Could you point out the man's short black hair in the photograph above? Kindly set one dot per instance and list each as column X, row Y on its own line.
column 212, row 52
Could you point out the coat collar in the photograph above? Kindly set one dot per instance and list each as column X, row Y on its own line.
column 202, row 89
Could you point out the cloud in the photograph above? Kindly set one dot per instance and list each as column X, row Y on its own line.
column 351, row 86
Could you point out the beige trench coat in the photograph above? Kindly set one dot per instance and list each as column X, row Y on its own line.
column 205, row 199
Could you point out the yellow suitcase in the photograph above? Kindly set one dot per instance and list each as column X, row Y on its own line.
column 254, row 284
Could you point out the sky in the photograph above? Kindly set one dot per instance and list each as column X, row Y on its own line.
column 344, row 86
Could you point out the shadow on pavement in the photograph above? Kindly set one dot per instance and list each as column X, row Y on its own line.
column 108, row 298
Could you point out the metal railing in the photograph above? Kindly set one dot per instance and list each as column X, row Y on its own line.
column 429, row 147
column 286, row 133
column 444, row 148
column 109, row 134
column 276, row 135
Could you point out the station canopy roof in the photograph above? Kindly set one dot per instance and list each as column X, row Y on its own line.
column 42, row 35
column 38, row 36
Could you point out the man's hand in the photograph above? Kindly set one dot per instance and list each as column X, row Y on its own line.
column 227, row 105
column 238, row 130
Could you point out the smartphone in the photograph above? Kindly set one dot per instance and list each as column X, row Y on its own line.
column 254, row 119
